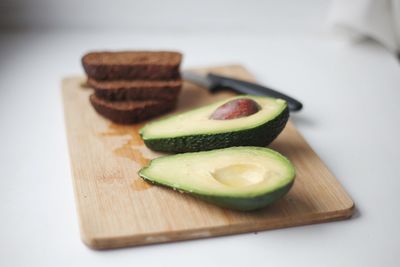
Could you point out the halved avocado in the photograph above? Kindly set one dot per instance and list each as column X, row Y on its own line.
column 195, row 131
column 240, row 178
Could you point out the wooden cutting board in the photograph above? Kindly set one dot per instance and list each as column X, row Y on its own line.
column 117, row 209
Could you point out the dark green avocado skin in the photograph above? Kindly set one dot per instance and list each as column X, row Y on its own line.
column 236, row 203
column 247, row 204
column 261, row 135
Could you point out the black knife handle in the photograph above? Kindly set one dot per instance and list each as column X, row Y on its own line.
column 244, row 87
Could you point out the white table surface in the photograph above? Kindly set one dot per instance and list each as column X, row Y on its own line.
column 351, row 94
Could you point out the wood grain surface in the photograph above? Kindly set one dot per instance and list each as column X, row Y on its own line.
column 117, row 208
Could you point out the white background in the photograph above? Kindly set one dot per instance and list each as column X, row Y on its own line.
column 351, row 93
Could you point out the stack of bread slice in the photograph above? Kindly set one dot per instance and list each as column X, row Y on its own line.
column 133, row 86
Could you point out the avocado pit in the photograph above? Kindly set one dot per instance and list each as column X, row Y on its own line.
column 236, row 108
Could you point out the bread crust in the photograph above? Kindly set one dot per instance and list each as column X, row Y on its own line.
column 122, row 90
column 132, row 65
column 129, row 112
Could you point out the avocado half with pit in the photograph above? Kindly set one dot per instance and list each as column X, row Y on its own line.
column 195, row 130
column 239, row 178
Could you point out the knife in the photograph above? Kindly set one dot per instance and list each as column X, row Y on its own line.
column 214, row 82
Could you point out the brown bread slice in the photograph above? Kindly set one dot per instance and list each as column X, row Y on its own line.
column 121, row 90
column 132, row 65
column 128, row 112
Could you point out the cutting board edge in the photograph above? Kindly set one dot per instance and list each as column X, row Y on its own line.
column 103, row 243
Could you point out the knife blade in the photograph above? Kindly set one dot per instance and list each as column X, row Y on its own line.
column 214, row 82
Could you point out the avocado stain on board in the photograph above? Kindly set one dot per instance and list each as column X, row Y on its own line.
column 133, row 149
column 140, row 185
column 84, row 85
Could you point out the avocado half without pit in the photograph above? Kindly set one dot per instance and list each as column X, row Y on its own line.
column 240, row 178
column 238, row 121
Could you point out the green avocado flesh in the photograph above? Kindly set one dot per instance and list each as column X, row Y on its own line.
column 194, row 130
column 240, row 178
